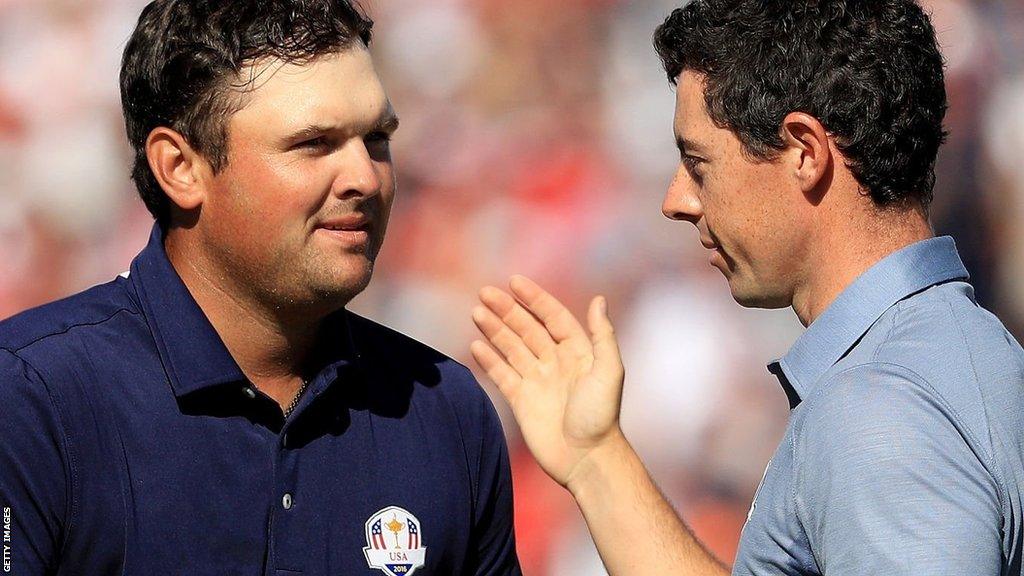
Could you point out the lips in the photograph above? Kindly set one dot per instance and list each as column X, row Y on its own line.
column 347, row 223
column 353, row 231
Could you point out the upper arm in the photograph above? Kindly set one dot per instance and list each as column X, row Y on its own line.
column 34, row 471
column 493, row 523
column 889, row 482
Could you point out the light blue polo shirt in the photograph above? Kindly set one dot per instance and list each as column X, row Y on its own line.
column 903, row 454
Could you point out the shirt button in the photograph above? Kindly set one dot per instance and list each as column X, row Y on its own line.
column 287, row 501
column 249, row 392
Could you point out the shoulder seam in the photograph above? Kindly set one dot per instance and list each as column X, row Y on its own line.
column 474, row 475
column 921, row 380
column 897, row 310
column 974, row 371
column 796, row 511
column 986, row 458
column 15, row 351
column 72, row 465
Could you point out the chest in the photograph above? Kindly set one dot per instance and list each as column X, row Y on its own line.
column 222, row 494
column 772, row 541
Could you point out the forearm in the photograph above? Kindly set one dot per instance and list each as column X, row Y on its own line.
column 634, row 527
column 564, row 387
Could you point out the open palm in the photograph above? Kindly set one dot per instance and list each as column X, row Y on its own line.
column 563, row 384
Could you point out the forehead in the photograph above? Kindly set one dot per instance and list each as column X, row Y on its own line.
column 691, row 111
column 338, row 88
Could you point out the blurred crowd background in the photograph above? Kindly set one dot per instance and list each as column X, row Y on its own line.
column 536, row 138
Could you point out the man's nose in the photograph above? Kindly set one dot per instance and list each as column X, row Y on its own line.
column 681, row 203
column 357, row 172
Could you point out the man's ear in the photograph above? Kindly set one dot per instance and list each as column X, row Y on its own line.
column 177, row 167
column 808, row 144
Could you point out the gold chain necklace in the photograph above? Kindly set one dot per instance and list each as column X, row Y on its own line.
column 295, row 400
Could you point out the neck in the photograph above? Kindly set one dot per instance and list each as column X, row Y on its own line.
column 847, row 247
column 273, row 349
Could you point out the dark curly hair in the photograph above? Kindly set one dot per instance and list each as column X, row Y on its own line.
column 869, row 70
column 182, row 67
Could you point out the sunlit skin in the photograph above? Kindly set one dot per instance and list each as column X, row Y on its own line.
column 287, row 232
column 749, row 212
column 309, row 148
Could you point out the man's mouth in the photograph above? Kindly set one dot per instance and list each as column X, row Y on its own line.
column 352, row 229
column 349, row 222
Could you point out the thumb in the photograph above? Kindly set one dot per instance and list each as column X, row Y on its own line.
column 607, row 359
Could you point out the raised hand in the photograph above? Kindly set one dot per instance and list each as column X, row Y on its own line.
column 563, row 384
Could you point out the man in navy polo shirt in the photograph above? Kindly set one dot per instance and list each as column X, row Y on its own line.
column 216, row 410
column 808, row 133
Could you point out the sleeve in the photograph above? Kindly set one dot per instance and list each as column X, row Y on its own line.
column 494, row 533
column 890, row 482
column 34, row 483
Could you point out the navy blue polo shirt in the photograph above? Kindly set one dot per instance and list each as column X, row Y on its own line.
column 131, row 443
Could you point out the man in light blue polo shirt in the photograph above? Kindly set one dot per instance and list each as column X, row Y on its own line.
column 808, row 133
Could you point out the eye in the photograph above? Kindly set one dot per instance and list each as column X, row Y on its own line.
column 379, row 136
column 318, row 143
column 691, row 163
column 378, row 144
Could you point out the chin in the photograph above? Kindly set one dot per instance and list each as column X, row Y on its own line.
column 340, row 289
column 326, row 285
column 753, row 297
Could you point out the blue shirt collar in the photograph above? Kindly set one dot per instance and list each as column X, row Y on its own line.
column 828, row 339
column 191, row 350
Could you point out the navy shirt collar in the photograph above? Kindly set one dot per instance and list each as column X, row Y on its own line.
column 192, row 352
column 894, row 278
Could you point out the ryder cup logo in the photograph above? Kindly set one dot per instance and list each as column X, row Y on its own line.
column 393, row 542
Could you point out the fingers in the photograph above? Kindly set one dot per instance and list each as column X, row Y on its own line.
column 597, row 319
column 524, row 324
column 607, row 359
column 504, row 340
column 560, row 323
column 496, row 368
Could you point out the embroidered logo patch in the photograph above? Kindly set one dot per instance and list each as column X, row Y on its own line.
column 394, row 542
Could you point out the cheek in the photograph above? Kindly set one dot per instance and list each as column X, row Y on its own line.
column 388, row 186
column 778, row 223
column 759, row 187
column 742, row 209
column 724, row 202
column 277, row 190
column 256, row 211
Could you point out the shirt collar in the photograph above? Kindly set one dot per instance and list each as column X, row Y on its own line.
column 836, row 331
column 191, row 350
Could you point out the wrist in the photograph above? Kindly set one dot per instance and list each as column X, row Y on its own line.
column 593, row 472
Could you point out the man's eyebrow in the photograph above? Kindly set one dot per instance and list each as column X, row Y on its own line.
column 388, row 122
column 685, row 146
column 310, row 131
